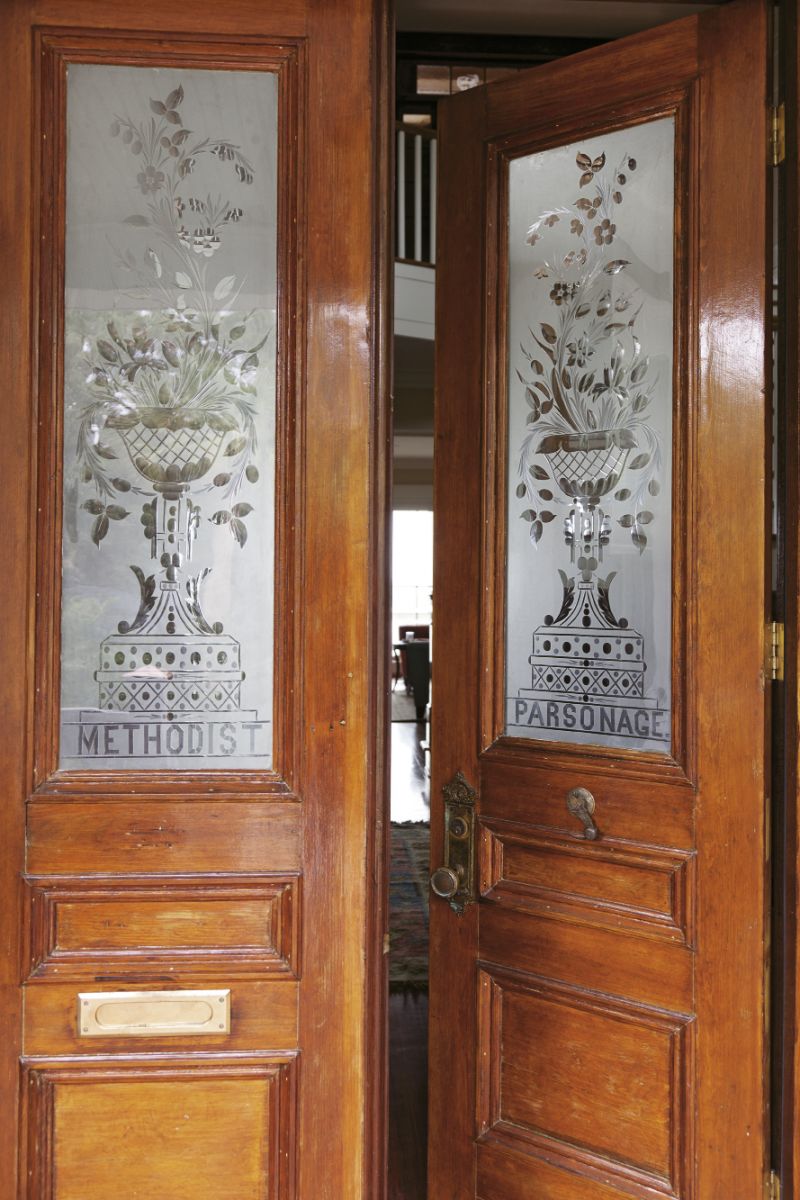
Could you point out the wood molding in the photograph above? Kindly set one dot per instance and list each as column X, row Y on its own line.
column 529, row 868
column 79, row 927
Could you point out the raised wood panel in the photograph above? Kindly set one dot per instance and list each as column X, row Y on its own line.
column 607, row 883
column 584, row 1078
column 239, row 925
column 199, row 1133
column 657, row 972
column 263, row 1015
column 79, row 837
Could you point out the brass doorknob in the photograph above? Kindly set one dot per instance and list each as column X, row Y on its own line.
column 445, row 882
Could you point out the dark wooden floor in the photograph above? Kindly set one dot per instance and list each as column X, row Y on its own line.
column 408, row 1096
column 408, row 1014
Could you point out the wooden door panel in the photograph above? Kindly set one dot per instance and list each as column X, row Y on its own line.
column 216, row 1130
column 77, row 925
column 592, row 998
column 605, row 1089
column 644, row 889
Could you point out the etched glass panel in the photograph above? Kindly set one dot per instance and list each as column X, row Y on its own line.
column 169, row 419
column 590, row 344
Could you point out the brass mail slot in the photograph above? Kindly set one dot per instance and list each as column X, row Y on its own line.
column 154, row 1014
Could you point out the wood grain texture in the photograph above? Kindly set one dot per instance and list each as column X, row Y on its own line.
column 676, row 810
column 167, row 1128
column 90, row 837
column 243, row 927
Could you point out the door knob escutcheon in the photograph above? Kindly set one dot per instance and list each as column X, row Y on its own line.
column 454, row 881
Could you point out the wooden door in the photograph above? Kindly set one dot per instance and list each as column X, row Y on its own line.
column 598, row 1014
column 191, row 353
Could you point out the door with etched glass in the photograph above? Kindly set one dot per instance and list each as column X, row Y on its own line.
column 598, row 795
column 184, row 770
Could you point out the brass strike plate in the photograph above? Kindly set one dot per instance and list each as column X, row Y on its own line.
column 182, row 1013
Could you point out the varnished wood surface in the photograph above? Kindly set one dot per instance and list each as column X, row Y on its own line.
column 702, row 972
column 317, row 820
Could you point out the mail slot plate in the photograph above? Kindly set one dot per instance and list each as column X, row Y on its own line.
column 154, row 1014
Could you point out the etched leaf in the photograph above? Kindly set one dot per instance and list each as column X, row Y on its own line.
column 221, row 479
column 545, row 494
column 548, row 333
column 641, row 460
column 539, row 472
column 639, row 539
column 242, row 510
column 221, row 422
column 158, row 107
column 235, row 446
column 175, row 97
column 536, row 531
column 224, row 287
column 654, row 487
column 116, row 512
column 521, row 489
column 627, row 521
column 100, row 529
column 239, row 531
column 547, row 516
column 529, row 514
column 236, row 332
column 136, row 220
column 221, row 517
column 108, row 351
column 252, row 474
column 583, row 161
column 644, row 517
column 121, row 485
column 616, row 265
column 95, row 507
column 585, row 178
column 599, row 163
column 182, row 279
column 104, row 451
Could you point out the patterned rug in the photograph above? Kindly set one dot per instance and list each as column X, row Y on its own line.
column 408, row 907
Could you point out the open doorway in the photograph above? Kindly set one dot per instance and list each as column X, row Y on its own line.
column 442, row 49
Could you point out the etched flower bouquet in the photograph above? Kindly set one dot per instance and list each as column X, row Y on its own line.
column 172, row 395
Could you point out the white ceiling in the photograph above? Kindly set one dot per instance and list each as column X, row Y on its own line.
column 548, row 18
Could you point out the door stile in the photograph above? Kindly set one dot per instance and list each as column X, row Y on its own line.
column 458, row 465
column 733, row 746
column 18, row 338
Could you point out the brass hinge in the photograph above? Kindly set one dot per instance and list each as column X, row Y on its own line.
column 777, row 135
column 774, row 1186
column 775, row 651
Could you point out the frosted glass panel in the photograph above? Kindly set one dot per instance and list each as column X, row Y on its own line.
column 588, row 618
column 169, row 419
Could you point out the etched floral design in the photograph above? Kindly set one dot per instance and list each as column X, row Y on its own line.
column 587, row 381
column 176, row 382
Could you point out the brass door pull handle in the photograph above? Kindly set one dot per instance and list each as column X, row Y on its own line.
column 581, row 804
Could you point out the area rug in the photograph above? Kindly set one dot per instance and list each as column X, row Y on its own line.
column 408, row 907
